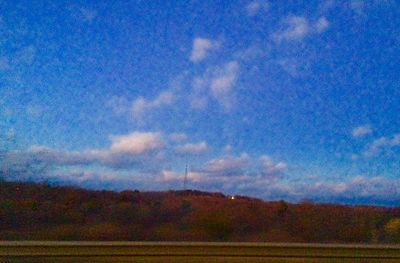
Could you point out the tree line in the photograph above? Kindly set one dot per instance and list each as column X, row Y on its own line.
column 31, row 211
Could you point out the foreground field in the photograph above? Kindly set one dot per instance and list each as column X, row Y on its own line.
column 192, row 252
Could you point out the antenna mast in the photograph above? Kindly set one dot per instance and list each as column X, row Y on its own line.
column 185, row 178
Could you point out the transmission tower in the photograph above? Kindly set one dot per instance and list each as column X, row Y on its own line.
column 185, row 178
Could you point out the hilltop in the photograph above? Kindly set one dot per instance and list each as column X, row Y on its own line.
column 30, row 211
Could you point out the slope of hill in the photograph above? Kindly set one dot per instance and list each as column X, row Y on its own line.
column 31, row 211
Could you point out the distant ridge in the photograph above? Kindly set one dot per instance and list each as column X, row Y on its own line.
column 31, row 211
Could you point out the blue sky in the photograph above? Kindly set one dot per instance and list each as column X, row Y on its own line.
column 277, row 100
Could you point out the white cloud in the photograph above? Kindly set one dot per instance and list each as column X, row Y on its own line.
column 227, row 165
column 375, row 189
column 196, row 176
column 201, row 48
column 361, row 131
column 217, row 83
column 192, row 148
column 254, row 7
column 382, row 144
column 222, row 84
column 165, row 97
column 227, row 173
column 172, row 176
column 270, row 168
column 141, row 105
column 296, row 28
column 168, row 175
column 136, row 143
column 231, row 173
column 137, row 150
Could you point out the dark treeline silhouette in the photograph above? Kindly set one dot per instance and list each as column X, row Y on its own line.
column 30, row 211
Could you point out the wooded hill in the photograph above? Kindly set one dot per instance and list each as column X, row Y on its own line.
column 30, row 211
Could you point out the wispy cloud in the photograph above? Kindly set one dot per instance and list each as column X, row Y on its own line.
column 192, row 148
column 237, row 173
column 222, row 84
column 294, row 67
column 132, row 152
column 87, row 14
column 201, row 48
column 217, row 83
column 250, row 53
column 376, row 189
column 270, row 168
column 358, row 189
column 178, row 136
column 118, row 105
column 175, row 177
column 168, row 175
column 357, row 6
column 140, row 105
column 227, row 165
column 228, row 148
column 34, row 111
column 382, row 144
column 296, row 28
column 255, row 7
column 321, row 25
column 25, row 55
column 199, row 95
column 361, row 131
column 327, row 5
column 233, row 172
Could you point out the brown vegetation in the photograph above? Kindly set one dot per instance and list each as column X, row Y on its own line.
column 41, row 212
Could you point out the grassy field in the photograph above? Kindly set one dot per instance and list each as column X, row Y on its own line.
column 192, row 252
